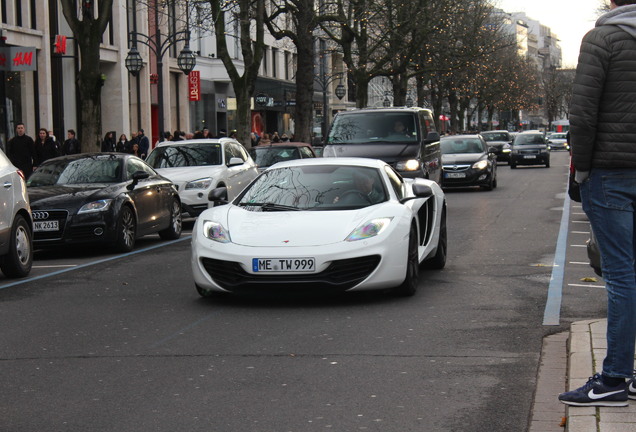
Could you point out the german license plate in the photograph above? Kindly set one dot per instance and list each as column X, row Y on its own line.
column 530, row 157
column 283, row 265
column 455, row 175
column 40, row 226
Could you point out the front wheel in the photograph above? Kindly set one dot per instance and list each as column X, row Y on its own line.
column 19, row 259
column 126, row 230
column 409, row 286
column 438, row 261
column 173, row 231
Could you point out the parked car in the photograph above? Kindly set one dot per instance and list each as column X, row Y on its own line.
column 405, row 138
column 200, row 165
column 332, row 224
column 16, row 241
column 558, row 141
column 267, row 155
column 110, row 198
column 530, row 148
column 499, row 141
column 468, row 161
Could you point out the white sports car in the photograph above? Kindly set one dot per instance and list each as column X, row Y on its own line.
column 337, row 224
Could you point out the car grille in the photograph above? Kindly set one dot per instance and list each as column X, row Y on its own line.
column 50, row 215
column 341, row 275
column 456, row 168
column 529, row 152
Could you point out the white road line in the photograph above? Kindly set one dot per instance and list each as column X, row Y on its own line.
column 586, row 286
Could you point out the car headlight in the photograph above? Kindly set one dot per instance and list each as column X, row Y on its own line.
column 95, row 206
column 482, row 164
column 369, row 229
column 407, row 165
column 215, row 231
column 203, row 183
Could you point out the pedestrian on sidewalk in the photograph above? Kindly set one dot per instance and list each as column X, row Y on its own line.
column 603, row 139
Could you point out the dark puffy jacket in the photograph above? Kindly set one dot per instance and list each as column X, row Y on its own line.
column 603, row 105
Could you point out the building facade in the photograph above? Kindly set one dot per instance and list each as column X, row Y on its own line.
column 38, row 73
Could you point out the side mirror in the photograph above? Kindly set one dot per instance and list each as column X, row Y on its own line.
column 492, row 150
column 218, row 196
column 422, row 190
column 432, row 137
column 235, row 161
column 137, row 175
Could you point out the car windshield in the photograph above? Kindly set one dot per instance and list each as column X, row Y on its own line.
column 171, row 156
column 266, row 156
column 558, row 136
column 529, row 139
column 314, row 187
column 97, row 169
column 496, row 136
column 364, row 128
column 461, row 145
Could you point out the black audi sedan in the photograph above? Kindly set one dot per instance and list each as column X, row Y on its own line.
column 108, row 198
column 468, row 161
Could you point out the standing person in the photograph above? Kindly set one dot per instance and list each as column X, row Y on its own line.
column 21, row 150
column 71, row 145
column 108, row 145
column 135, row 149
column 603, row 138
column 144, row 144
column 122, row 145
column 45, row 147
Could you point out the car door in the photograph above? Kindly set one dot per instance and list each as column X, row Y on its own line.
column 238, row 176
column 8, row 183
column 147, row 196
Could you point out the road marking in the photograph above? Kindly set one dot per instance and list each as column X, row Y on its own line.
column 586, row 285
column 55, row 273
column 580, row 232
column 579, row 262
column 55, row 266
column 552, row 311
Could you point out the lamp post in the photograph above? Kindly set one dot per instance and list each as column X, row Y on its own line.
column 134, row 63
column 324, row 80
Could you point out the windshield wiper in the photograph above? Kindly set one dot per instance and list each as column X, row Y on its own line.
column 269, row 206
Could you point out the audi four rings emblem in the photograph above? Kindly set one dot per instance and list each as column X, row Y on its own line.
column 39, row 215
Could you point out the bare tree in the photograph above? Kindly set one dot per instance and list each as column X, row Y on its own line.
column 250, row 18
column 88, row 30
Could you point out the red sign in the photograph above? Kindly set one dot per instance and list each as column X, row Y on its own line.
column 60, row 44
column 17, row 59
column 194, row 85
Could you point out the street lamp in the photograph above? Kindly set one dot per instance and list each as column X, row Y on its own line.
column 134, row 63
column 324, row 80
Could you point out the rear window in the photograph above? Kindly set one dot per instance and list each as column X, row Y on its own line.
column 496, row 136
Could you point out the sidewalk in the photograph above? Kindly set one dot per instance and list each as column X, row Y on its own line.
column 573, row 357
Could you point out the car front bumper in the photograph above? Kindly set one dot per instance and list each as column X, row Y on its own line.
column 375, row 263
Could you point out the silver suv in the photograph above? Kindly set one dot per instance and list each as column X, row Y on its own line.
column 16, row 225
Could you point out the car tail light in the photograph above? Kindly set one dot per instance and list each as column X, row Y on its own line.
column 21, row 174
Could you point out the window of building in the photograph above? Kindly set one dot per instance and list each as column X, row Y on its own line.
column 287, row 65
column 18, row 13
column 32, row 15
column 274, row 62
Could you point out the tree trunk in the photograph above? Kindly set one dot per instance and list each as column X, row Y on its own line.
column 90, row 95
column 305, row 79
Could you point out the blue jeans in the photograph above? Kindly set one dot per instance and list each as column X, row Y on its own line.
column 609, row 200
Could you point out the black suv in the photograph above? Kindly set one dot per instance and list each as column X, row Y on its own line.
column 405, row 138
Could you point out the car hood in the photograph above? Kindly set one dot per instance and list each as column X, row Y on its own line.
column 183, row 174
column 66, row 197
column 302, row 228
column 388, row 152
column 461, row 158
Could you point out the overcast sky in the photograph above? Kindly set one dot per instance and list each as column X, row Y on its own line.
column 568, row 19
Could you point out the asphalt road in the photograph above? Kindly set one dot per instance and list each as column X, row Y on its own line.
column 124, row 343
